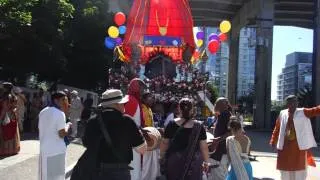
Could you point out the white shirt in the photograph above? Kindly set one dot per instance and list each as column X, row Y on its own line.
column 51, row 120
column 169, row 118
column 75, row 108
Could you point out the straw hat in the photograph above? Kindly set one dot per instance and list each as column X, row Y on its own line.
column 113, row 96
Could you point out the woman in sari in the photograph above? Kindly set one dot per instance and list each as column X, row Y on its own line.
column 238, row 146
column 182, row 161
column 9, row 131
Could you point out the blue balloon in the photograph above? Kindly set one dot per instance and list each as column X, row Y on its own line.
column 122, row 29
column 109, row 42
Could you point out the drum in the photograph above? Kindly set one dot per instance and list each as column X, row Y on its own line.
column 209, row 137
column 209, row 142
column 154, row 138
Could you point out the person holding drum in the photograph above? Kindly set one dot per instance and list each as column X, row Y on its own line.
column 150, row 165
column 133, row 109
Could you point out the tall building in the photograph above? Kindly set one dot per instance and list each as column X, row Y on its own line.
column 246, row 63
column 280, row 86
column 296, row 75
column 217, row 64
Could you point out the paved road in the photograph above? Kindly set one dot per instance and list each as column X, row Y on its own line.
column 24, row 166
column 265, row 165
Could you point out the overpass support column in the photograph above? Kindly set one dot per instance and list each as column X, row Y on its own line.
column 233, row 66
column 316, row 65
column 263, row 65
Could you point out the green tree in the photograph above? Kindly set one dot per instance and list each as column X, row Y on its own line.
column 32, row 36
column 88, row 58
column 213, row 92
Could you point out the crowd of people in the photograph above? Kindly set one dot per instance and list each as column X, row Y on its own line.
column 127, row 137
column 19, row 113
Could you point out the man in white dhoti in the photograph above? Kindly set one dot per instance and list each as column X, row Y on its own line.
column 52, row 130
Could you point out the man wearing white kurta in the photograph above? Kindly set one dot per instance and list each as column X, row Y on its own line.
column 52, row 130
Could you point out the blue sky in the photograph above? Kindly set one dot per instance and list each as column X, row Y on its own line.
column 286, row 40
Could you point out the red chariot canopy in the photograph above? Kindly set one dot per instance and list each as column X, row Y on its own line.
column 166, row 23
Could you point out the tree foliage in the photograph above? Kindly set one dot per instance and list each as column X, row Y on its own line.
column 59, row 41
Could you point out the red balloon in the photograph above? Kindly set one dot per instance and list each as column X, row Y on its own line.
column 120, row 18
column 214, row 46
column 223, row 37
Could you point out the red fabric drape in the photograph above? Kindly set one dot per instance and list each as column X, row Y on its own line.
column 148, row 16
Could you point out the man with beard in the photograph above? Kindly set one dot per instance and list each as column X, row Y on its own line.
column 293, row 138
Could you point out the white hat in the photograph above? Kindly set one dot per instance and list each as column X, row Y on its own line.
column 17, row 90
column 74, row 92
column 113, row 96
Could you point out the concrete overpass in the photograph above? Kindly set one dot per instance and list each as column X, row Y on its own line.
column 286, row 12
column 263, row 15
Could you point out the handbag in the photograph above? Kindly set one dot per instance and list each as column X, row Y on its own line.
column 164, row 160
column 192, row 144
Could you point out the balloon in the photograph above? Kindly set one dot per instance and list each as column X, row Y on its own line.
column 109, row 42
column 213, row 36
column 118, row 40
column 113, row 31
column 199, row 42
column 223, row 37
column 122, row 29
column 175, row 42
column 225, row 26
column 119, row 18
column 196, row 54
column 200, row 35
column 213, row 46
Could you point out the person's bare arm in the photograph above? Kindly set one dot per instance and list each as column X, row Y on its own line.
column 64, row 132
column 142, row 148
column 204, row 150
column 164, row 147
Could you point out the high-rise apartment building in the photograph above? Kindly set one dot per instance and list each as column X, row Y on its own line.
column 246, row 61
column 217, row 64
column 296, row 75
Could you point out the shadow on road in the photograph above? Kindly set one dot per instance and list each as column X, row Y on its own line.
column 29, row 136
column 260, row 142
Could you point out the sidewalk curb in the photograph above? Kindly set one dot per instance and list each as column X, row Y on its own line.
column 69, row 170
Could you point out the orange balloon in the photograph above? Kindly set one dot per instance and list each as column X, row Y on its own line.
column 196, row 54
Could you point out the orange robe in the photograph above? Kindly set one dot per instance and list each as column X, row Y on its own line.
column 291, row 158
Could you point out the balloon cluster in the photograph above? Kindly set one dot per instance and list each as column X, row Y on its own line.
column 113, row 39
column 216, row 39
column 200, row 38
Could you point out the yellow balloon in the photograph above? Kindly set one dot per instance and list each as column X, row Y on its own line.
column 113, row 32
column 199, row 42
column 225, row 26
